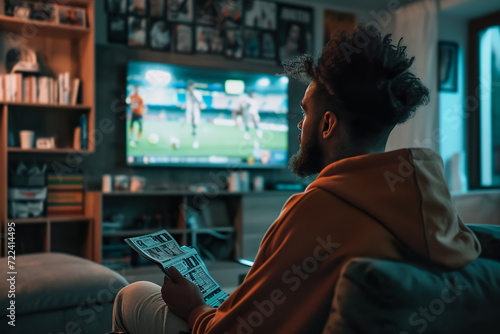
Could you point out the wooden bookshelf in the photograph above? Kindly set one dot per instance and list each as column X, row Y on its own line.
column 60, row 48
column 39, row 150
column 52, row 219
column 61, row 107
column 3, row 179
column 41, row 28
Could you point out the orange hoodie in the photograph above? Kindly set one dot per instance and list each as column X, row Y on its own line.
column 393, row 205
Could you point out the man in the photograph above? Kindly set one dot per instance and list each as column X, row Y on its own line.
column 194, row 102
column 246, row 112
column 364, row 203
column 138, row 108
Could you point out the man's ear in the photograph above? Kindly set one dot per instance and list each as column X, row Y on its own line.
column 329, row 124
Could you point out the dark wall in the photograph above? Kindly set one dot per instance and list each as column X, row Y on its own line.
column 109, row 156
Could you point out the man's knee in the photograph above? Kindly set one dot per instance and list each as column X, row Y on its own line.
column 136, row 291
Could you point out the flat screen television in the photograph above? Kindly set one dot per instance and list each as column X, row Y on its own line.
column 187, row 116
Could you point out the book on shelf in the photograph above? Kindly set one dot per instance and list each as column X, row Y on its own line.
column 161, row 249
column 65, row 194
column 12, row 85
column 77, row 139
column 63, row 84
column 75, row 91
column 30, row 84
column 64, row 90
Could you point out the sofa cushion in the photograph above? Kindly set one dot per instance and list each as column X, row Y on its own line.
column 384, row 296
column 478, row 206
column 54, row 281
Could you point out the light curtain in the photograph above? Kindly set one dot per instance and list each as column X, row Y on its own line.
column 417, row 23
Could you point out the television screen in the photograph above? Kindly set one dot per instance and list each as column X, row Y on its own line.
column 187, row 116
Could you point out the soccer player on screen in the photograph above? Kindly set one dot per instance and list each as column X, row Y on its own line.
column 138, row 109
column 194, row 102
column 248, row 112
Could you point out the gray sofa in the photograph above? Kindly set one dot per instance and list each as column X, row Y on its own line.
column 59, row 293
column 391, row 297
column 478, row 206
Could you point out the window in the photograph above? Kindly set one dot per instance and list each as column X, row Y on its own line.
column 483, row 102
column 489, row 105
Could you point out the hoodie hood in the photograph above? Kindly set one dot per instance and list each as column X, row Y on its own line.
column 406, row 192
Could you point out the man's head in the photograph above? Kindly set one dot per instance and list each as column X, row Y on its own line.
column 360, row 88
column 190, row 85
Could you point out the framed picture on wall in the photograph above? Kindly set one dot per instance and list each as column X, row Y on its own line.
column 229, row 13
column 117, row 29
column 160, row 35
column 183, row 38
column 233, row 44
column 268, row 45
column 251, row 39
column 448, row 66
column 203, row 35
column 205, row 12
column 116, row 6
column 157, row 8
column 216, row 41
column 295, row 31
column 180, row 10
column 136, row 31
column 260, row 14
column 138, row 7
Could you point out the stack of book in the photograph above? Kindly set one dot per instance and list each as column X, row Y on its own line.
column 15, row 87
column 65, row 194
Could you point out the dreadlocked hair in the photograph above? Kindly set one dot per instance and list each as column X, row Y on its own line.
column 366, row 79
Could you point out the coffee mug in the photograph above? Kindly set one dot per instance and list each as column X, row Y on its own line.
column 26, row 137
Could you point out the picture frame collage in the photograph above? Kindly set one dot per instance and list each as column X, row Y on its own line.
column 234, row 29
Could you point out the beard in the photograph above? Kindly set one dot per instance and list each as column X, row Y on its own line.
column 308, row 160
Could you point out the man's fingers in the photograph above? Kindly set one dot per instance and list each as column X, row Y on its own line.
column 176, row 275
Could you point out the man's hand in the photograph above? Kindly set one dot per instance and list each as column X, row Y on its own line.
column 180, row 295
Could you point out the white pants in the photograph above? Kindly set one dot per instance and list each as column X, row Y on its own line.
column 139, row 308
column 193, row 116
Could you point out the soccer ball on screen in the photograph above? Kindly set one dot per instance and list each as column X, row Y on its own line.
column 175, row 142
column 154, row 138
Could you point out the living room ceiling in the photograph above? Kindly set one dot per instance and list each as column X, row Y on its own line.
column 470, row 9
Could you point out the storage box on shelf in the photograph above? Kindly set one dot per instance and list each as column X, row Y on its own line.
column 67, row 52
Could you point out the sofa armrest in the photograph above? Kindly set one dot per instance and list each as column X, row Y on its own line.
column 386, row 296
